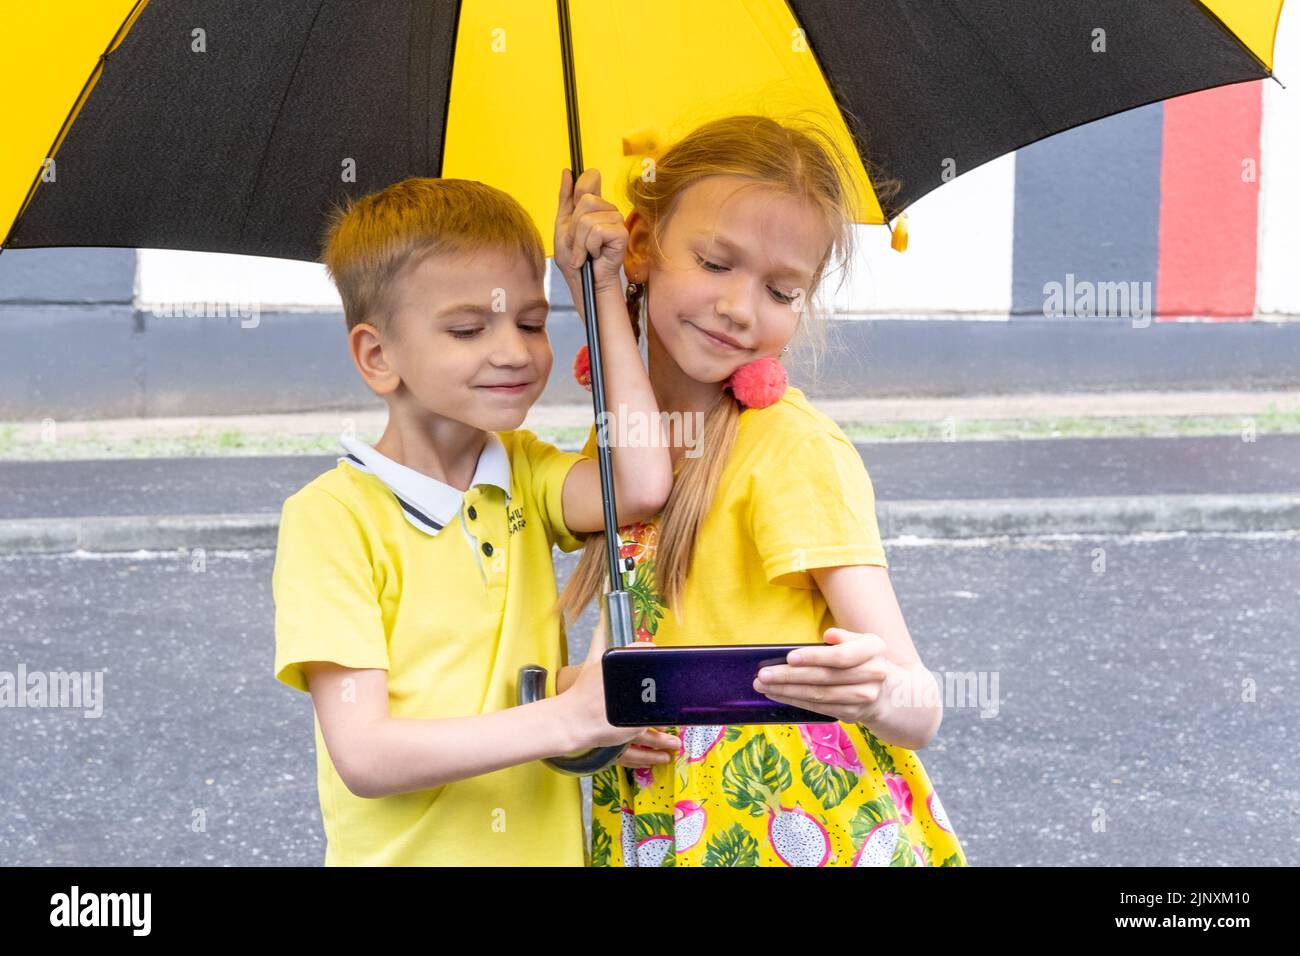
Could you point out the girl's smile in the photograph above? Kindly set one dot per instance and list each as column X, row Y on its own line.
column 725, row 343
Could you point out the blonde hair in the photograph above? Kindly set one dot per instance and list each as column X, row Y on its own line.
column 793, row 157
column 368, row 242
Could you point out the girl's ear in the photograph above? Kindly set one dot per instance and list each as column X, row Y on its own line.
column 637, row 257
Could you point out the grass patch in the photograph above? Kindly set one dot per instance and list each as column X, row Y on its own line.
column 231, row 442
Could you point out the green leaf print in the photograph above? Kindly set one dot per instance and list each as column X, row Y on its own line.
column 829, row 784
column 600, row 844
column 869, row 814
column 755, row 777
column 653, row 824
column 735, row 847
column 951, row 861
column 604, row 789
column 646, row 608
column 903, row 855
column 732, row 735
column 878, row 750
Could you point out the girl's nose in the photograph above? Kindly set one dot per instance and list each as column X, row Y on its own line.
column 737, row 301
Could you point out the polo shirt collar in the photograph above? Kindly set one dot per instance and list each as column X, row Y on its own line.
column 428, row 503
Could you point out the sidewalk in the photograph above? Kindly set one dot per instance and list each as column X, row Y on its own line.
column 961, row 488
column 844, row 411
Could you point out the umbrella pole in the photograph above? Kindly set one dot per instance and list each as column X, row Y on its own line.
column 617, row 604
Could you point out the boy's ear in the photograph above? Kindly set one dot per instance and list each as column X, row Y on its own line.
column 369, row 356
column 637, row 256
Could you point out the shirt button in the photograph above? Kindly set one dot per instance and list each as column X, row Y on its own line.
column 472, row 513
column 487, row 548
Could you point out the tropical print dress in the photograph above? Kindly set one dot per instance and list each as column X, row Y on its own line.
column 793, row 496
column 764, row 795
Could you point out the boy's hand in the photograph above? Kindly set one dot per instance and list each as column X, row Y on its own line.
column 848, row 678
column 587, row 699
column 652, row 746
column 586, row 225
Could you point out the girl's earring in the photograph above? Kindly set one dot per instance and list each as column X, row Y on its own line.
column 786, row 349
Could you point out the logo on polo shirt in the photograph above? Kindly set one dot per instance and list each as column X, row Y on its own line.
column 516, row 518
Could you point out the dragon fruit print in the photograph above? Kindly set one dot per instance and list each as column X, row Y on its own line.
column 937, row 813
column 901, row 794
column 629, row 837
column 878, row 848
column 652, row 850
column 831, row 745
column 697, row 741
column 798, row 838
column 689, row 819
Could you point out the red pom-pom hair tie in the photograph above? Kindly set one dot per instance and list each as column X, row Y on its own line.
column 760, row 383
column 582, row 368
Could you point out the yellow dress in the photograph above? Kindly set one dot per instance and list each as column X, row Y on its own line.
column 794, row 495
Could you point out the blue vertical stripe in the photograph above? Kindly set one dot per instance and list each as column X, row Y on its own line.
column 1088, row 206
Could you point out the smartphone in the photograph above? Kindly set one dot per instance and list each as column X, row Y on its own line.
column 662, row 686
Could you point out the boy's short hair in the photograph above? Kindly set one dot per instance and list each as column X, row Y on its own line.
column 371, row 240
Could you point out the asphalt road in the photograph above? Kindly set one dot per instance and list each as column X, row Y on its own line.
column 899, row 471
column 1144, row 714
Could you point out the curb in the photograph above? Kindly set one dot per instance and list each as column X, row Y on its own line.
column 1119, row 514
column 956, row 518
column 139, row 533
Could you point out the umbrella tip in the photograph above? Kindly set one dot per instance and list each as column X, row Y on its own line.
column 898, row 234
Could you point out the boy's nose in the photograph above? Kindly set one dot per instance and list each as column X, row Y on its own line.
column 509, row 347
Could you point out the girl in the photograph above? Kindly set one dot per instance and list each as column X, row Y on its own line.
column 769, row 535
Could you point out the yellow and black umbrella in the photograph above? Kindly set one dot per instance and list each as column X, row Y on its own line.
column 235, row 126
column 231, row 127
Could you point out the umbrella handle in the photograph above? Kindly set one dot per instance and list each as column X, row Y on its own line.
column 532, row 687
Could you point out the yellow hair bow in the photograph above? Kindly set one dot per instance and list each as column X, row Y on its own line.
column 645, row 143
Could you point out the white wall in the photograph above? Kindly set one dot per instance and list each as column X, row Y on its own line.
column 1278, row 282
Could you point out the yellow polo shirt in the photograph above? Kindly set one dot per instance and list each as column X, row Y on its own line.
column 379, row 566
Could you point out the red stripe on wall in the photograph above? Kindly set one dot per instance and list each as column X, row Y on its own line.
column 1209, row 201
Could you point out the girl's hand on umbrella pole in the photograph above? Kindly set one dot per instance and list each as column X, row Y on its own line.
column 587, row 225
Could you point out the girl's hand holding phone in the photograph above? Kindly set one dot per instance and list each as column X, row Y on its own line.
column 848, row 678
column 586, row 225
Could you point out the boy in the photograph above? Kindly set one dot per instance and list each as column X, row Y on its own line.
column 414, row 579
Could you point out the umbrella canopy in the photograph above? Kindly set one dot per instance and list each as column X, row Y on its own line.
column 233, row 127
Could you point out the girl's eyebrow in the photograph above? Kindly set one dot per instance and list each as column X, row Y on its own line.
column 781, row 270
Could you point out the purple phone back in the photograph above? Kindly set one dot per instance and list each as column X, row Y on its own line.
column 662, row 686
